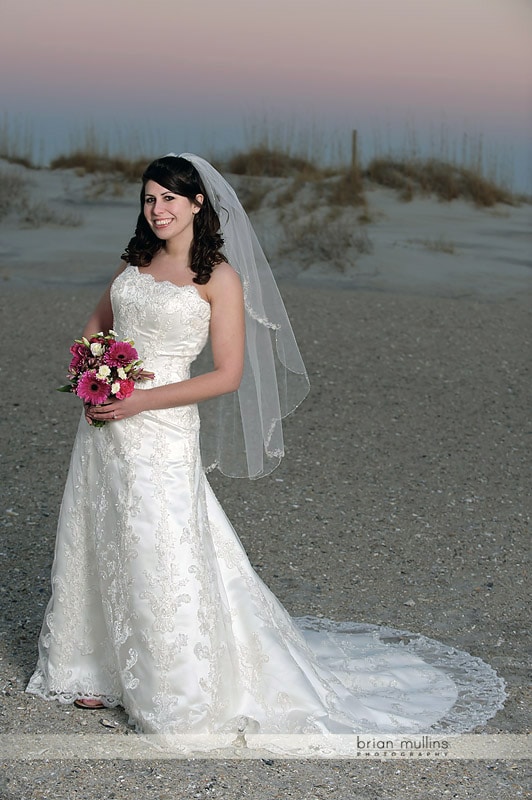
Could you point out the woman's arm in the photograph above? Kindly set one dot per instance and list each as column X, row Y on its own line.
column 227, row 329
column 101, row 318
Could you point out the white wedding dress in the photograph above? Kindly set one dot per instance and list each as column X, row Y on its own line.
column 156, row 608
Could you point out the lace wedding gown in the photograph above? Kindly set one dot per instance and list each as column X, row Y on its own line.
column 156, row 607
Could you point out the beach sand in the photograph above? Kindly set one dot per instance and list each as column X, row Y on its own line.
column 404, row 497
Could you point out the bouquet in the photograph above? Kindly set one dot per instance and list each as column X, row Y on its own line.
column 103, row 367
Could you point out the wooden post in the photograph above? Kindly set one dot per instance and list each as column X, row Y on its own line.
column 354, row 152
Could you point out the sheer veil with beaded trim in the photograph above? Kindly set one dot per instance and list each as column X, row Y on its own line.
column 241, row 433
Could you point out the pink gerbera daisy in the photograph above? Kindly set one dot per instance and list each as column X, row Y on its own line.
column 92, row 389
column 120, row 354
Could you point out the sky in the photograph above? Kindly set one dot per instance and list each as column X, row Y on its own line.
column 207, row 75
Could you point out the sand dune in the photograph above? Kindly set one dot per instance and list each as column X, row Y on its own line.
column 424, row 246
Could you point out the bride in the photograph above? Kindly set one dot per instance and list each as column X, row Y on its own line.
column 155, row 606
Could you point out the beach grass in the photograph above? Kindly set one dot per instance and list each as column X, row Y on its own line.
column 13, row 189
column 18, row 142
column 444, row 179
column 440, row 244
column 16, row 200
column 333, row 240
column 272, row 163
column 447, row 170
column 92, row 162
column 95, row 152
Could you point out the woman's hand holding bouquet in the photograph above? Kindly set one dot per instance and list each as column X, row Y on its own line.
column 104, row 369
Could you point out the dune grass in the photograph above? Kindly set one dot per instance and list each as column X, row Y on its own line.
column 302, row 160
column 17, row 201
column 328, row 238
column 92, row 153
column 439, row 245
column 433, row 161
column 447, row 169
column 87, row 162
column 13, row 190
column 262, row 162
column 431, row 176
column 17, row 142
column 409, row 176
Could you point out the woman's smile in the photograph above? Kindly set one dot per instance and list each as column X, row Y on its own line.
column 159, row 202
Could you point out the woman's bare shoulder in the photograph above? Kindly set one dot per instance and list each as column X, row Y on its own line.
column 224, row 278
column 224, row 271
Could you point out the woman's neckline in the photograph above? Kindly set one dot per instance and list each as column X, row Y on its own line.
column 170, row 283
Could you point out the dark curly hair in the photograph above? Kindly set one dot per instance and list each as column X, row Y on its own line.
column 181, row 177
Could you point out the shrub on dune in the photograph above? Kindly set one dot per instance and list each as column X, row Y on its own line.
column 88, row 162
column 261, row 161
column 446, row 180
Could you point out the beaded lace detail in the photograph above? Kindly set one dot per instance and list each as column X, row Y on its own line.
column 155, row 605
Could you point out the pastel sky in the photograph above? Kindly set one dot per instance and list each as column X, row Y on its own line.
column 200, row 71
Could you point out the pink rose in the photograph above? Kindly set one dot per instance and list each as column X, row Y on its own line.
column 126, row 389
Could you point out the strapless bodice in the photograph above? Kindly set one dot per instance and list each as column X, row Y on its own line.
column 168, row 323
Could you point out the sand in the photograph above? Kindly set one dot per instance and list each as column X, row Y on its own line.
column 404, row 498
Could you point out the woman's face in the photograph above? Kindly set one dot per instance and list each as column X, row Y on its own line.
column 169, row 214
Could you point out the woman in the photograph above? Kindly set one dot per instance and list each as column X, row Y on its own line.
column 155, row 606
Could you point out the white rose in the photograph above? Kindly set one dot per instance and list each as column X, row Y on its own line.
column 115, row 387
column 104, row 371
column 121, row 373
column 96, row 348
